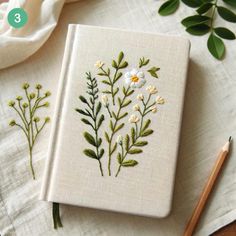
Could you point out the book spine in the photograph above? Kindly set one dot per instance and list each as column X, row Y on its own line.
column 50, row 161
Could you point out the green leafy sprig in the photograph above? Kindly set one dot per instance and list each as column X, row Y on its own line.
column 112, row 80
column 152, row 71
column 30, row 124
column 115, row 124
column 91, row 112
column 202, row 22
column 133, row 142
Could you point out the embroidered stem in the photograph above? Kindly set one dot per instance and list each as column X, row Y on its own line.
column 115, row 127
column 26, row 112
column 91, row 112
column 133, row 140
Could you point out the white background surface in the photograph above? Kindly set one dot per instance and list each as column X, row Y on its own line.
column 209, row 119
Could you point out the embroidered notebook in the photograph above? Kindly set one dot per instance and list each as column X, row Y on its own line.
column 116, row 129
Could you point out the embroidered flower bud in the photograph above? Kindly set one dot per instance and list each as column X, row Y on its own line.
column 19, row 98
column 133, row 119
column 25, row 105
column 36, row 119
column 140, row 97
column 136, row 107
column 99, row 64
column 25, row 86
column 160, row 100
column 12, row 123
column 32, row 96
column 46, row 104
column 11, row 103
column 47, row 94
column 119, row 140
column 152, row 89
column 153, row 109
column 47, row 119
column 38, row 86
column 105, row 100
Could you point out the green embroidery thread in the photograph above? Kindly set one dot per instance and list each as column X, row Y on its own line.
column 132, row 144
column 29, row 122
column 92, row 112
column 111, row 81
column 56, row 215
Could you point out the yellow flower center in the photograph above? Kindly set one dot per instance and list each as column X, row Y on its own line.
column 134, row 79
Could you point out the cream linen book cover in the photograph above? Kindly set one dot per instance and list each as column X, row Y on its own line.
column 115, row 134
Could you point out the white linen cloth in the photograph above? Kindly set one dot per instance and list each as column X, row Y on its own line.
column 42, row 19
column 209, row 119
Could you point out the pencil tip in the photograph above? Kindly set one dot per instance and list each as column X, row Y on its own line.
column 230, row 138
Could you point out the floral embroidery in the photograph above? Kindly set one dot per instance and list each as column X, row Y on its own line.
column 135, row 78
column 27, row 108
column 115, row 100
column 91, row 112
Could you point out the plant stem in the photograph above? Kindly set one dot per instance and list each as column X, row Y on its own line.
column 113, row 131
column 31, row 162
column 213, row 14
column 56, row 215
column 137, row 136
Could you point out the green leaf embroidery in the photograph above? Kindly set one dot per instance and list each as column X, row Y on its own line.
column 143, row 62
column 147, row 133
column 141, row 143
column 153, row 71
column 107, row 137
column 129, row 163
column 114, row 148
column 132, row 135
column 120, row 57
column 90, row 153
column 90, row 139
column 216, row 46
column 119, row 127
column 119, row 158
column 146, row 124
column 126, row 142
column 135, row 151
column 168, row 7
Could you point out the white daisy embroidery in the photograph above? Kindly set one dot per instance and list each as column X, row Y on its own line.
column 135, row 78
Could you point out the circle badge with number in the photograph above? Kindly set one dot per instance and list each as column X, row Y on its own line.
column 17, row 18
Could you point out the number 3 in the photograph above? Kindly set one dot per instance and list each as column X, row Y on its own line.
column 17, row 18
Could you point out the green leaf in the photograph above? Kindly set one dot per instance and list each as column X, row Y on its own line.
column 130, row 92
column 146, row 124
column 106, row 82
column 107, row 137
column 86, row 122
column 106, row 92
column 102, row 118
column 114, row 64
column 125, row 104
column 194, row 20
column 122, row 116
column 102, row 74
column 124, row 90
column 119, row 127
column 133, row 134
column 230, row 2
column 99, row 142
column 101, row 153
column 119, row 101
column 216, row 46
column 90, row 153
column 82, row 112
column 83, row 99
column 126, row 142
column 147, row 133
column 168, row 7
column 141, row 143
column 115, row 91
column 129, row 163
column 90, row 139
column 113, row 114
column 198, row 30
column 226, row 14
column 118, row 76
column 114, row 148
column 111, row 125
column 153, row 71
column 204, row 8
column 135, row 151
column 99, row 106
column 119, row 158
column 192, row 3
column 120, row 57
column 224, row 33
column 123, row 65
column 143, row 62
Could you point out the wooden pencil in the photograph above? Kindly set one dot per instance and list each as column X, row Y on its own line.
column 207, row 189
